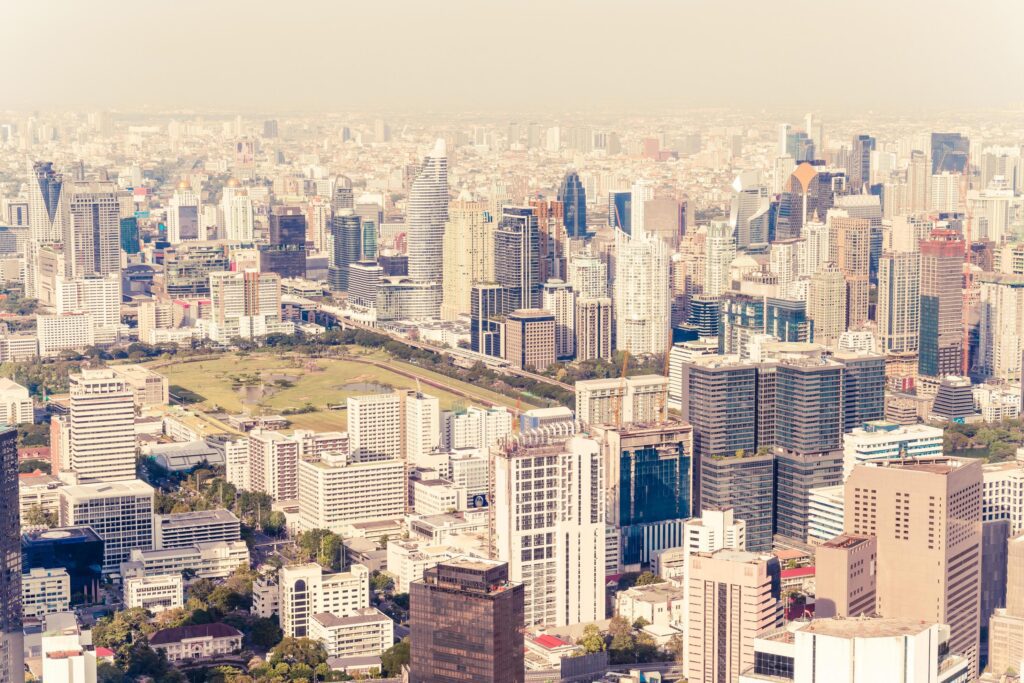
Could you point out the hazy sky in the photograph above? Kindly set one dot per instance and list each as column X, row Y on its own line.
column 279, row 56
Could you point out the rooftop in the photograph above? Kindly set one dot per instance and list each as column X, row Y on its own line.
column 865, row 627
column 180, row 633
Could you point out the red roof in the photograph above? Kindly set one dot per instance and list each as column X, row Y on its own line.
column 797, row 573
column 550, row 642
column 104, row 652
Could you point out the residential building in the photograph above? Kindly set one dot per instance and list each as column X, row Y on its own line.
column 643, row 312
column 273, row 464
column 641, row 399
column 468, row 255
column 530, row 339
column 375, row 426
column 558, row 298
column 339, row 489
column 101, row 422
column 593, row 328
column 899, row 302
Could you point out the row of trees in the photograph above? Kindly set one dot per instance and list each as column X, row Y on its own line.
column 626, row 643
column 999, row 440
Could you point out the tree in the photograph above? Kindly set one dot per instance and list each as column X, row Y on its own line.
column 264, row 633
column 37, row 516
column 394, row 658
column 382, row 583
column 121, row 631
column 648, row 578
column 640, row 624
column 275, row 523
column 298, row 651
column 108, row 673
column 592, row 640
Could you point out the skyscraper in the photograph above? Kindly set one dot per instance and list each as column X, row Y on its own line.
column 860, row 162
column 950, row 152
column 643, row 312
column 468, row 254
column 643, row 190
column 941, row 344
column 899, row 302
column 102, row 427
column 184, row 215
column 466, row 621
column 850, row 249
column 926, row 515
column 286, row 253
column 11, row 639
column 487, row 305
column 238, row 212
column 346, row 238
column 559, row 298
column 720, row 250
column 47, row 214
column 1006, row 628
column 426, row 216
column 826, row 304
column 517, row 258
column 92, row 230
column 573, row 197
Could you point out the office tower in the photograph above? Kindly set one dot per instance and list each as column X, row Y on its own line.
column 426, row 215
column 941, row 344
column 622, row 401
column 466, row 620
column 286, row 253
column 851, row 251
column 238, row 212
column 860, row 162
column 129, row 235
column 557, row 551
column 92, row 230
column 347, row 243
column 588, row 276
column 558, row 298
column 879, row 650
column 487, row 305
column 364, row 282
column 530, row 338
column 786, row 320
column 375, row 426
column 950, row 152
column 593, row 328
column 826, row 304
column 749, row 210
column 342, row 197
column 187, row 268
column 573, row 198
column 735, row 596
column 1006, row 627
column 307, row 590
column 648, row 486
column 899, row 302
column 184, row 215
column 245, row 304
column 335, row 491
column 929, row 511
column 550, row 239
column 1000, row 328
column 121, row 513
column 642, row 191
column 863, row 387
column 643, row 312
column 720, row 250
column 517, row 257
column 846, row 576
column 620, row 211
column 11, row 639
column 468, row 255
column 422, row 432
column 101, row 420
column 46, row 208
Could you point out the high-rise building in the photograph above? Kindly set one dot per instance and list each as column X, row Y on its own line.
column 593, row 328
column 238, row 212
column 187, row 268
column 101, row 422
column 573, row 197
column 642, row 191
column 1001, row 327
column 530, row 338
column 850, row 250
column 860, row 162
column 846, row 576
column 346, row 240
column 46, row 206
column 11, row 639
column 899, row 302
column 735, row 596
column 750, row 210
column 426, row 216
column 487, row 306
column 517, row 258
column 273, row 464
column 286, row 253
column 466, row 620
column 184, row 215
column 826, row 304
column 559, row 299
column 950, row 152
column 245, row 304
column 941, row 344
column 92, row 230
column 121, row 513
column 1006, row 627
column 643, row 311
column 640, row 399
column 306, row 590
column 375, row 424
column 720, row 250
column 620, row 211
column 468, row 255
column 588, row 276
column 554, row 545
column 928, row 510
column 336, row 490
column 422, row 431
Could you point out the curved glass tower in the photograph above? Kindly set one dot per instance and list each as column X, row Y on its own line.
column 427, row 214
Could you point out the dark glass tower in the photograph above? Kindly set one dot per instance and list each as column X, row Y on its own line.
column 574, row 205
column 286, row 253
column 130, row 235
column 11, row 639
column 860, row 162
column 346, row 231
column 487, row 304
column 950, row 152
column 466, row 620
column 620, row 207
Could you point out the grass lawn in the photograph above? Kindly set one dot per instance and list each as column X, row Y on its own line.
column 271, row 383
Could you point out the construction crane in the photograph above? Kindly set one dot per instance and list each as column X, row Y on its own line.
column 619, row 394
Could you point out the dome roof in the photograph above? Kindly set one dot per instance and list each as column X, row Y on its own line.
column 183, row 185
column 233, row 182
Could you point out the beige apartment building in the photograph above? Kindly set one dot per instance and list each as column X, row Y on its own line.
column 845, row 576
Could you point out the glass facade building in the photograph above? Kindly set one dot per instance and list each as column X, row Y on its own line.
column 11, row 638
column 573, row 197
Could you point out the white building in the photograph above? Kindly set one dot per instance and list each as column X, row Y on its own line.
column 437, row 496
column 858, row 650
column 996, row 402
column 826, row 513
column 101, row 422
column 622, row 401
column 1001, row 326
column 273, row 464
column 244, row 304
column 151, row 388
column 643, row 312
column 720, row 250
column 559, row 299
column 470, row 469
column 186, row 529
column 338, row 490
column 184, row 215
column 98, row 297
column 685, row 352
column 422, row 426
column 154, row 593
column 45, row 591
column 236, row 206
column 197, row 641
column 121, row 513
column 366, row 633
column 1002, row 493
column 15, row 403
column 549, row 525
column 236, row 463
column 476, row 427
column 588, row 276
column 213, row 560
column 40, row 491
column 888, row 441
column 308, row 589
column 66, row 332
column 66, row 651
column 375, row 426
column 661, row 605
column 407, row 560
column 426, row 215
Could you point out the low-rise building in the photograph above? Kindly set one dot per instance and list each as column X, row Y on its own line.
column 407, row 560
column 45, row 591
column 659, row 604
column 150, row 388
column 154, row 592
column 437, row 496
column 38, row 491
column 366, row 633
column 215, row 560
column 187, row 529
column 197, row 642
column 66, row 650
column 15, row 403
